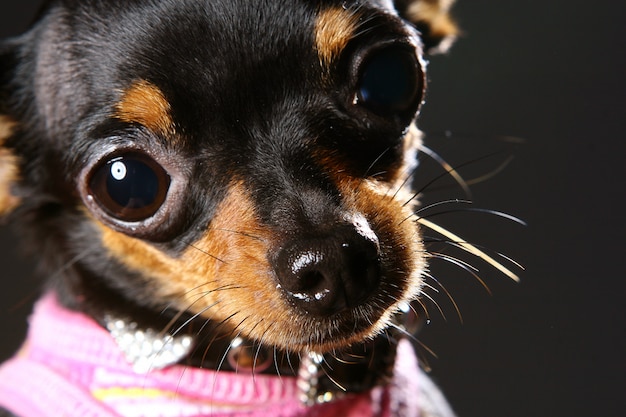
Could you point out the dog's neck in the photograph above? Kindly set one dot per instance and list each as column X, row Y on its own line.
column 320, row 378
column 84, row 354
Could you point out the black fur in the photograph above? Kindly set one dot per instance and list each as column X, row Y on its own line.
column 247, row 94
column 226, row 93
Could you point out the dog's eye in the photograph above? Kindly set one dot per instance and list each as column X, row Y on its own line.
column 390, row 81
column 129, row 187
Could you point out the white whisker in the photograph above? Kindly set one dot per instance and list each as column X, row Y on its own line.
column 468, row 247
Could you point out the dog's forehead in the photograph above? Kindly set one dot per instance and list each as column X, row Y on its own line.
column 202, row 59
column 221, row 36
column 203, row 68
column 204, row 48
column 207, row 39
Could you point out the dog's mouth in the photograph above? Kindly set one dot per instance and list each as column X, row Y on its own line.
column 340, row 288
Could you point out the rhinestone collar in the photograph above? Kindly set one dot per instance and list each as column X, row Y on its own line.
column 320, row 378
column 147, row 349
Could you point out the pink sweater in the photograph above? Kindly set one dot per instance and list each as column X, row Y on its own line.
column 71, row 367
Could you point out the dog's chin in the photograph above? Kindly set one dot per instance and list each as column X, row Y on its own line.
column 334, row 333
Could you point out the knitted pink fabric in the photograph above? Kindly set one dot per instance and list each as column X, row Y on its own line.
column 70, row 366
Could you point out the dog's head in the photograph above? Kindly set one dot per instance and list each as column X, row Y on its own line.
column 241, row 161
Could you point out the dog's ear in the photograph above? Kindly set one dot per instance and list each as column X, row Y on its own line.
column 432, row 18
column 9, row 169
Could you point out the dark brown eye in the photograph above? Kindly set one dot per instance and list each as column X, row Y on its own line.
column 130, row 187
column 390, row 81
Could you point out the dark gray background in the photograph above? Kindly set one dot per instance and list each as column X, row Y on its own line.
column 551, row 72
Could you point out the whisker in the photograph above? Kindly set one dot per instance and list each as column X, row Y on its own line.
column 199, row 297
column 430, row 206
column 191, row 245
column 463, row 265
column 288, row 355
column 206, row 351
column 204, row 325
column 258, row 350
column 276, row 367
column 447, row 293
column 363, row 25
column 223, row 359
column 468, row 247
column 469, row 136
column 369, row 168
column 73, row 261
column 185, row 294
column 334, row 381
column 492, row 173
column 482, row 247
column 441, row 203
column 450, row 170
column 178, row 315
column 346, row 361
column 407, row 177
column 403, row 331
column 238, row 232
column 511, row 260
column 193, row 317
column 436, row 304
column 458, row 261
column 256, row 325
column 424, row 308
column 497, row 213
column 427, row 285
column 478, row 210
column 423, row 361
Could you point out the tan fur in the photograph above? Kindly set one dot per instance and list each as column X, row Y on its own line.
column 227, row 266
column 435, row 13
column 333, row 30
column 9, row 171
column 387, row 214
column 145, row 103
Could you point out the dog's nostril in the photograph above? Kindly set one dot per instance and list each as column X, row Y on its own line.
column 325, row 275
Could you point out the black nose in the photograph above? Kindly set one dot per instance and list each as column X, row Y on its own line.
column 326, row 274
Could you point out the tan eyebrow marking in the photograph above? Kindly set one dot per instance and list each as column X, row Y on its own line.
column 333, row 30
column 435, row 13
column 9, row 172
column 145, row 103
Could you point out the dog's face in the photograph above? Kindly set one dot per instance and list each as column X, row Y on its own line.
column 240, row 161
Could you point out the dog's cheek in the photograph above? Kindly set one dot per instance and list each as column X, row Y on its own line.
column 236, row 283
column 223, row 275
column 9, row 169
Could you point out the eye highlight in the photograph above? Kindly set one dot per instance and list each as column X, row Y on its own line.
column 390, row 81
column 130, row 187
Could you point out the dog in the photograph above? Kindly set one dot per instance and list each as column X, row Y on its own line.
column 220, row 195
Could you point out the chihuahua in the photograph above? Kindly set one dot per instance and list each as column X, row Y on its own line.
column 220, row 196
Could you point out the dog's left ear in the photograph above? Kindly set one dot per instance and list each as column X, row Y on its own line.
column 432, row 19
column 9, row 170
